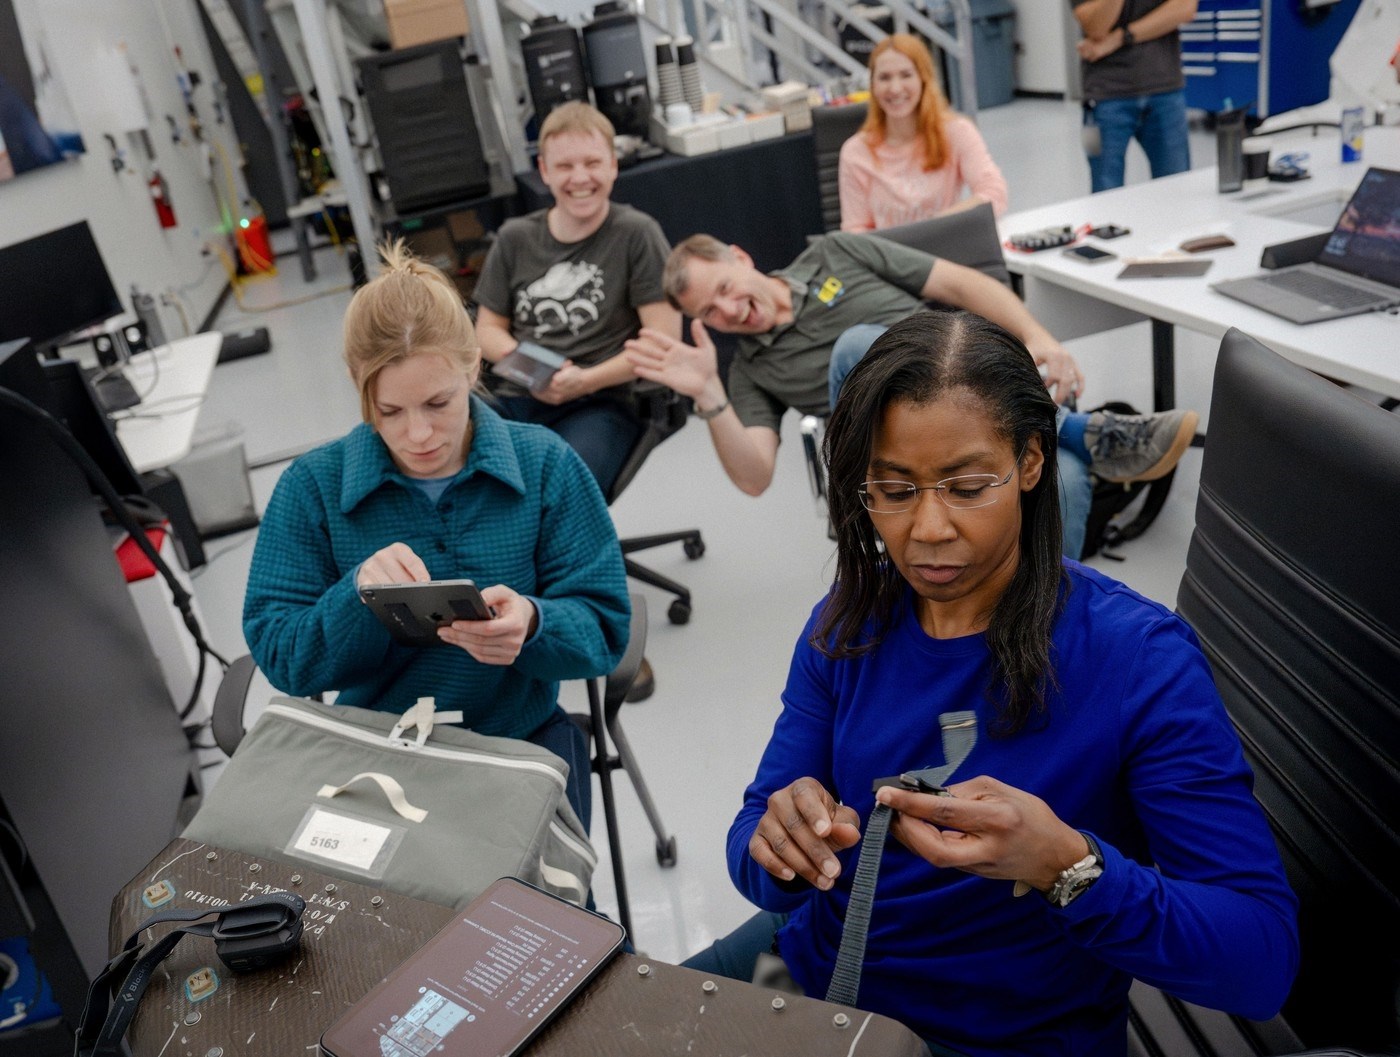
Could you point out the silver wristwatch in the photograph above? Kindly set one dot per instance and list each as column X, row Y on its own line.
column 1075, row 879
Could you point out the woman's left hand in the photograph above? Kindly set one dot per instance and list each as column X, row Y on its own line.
column 986, row 828
column 498, row 640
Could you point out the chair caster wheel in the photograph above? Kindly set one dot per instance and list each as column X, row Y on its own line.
column 666, row 851
column 679, row 612
column 694, row 548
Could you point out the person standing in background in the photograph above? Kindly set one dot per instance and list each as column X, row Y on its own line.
column 1133, row 85
column 914, row 155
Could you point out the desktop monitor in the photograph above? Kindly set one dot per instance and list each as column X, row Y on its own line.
column 54, row 285
column 61, row 389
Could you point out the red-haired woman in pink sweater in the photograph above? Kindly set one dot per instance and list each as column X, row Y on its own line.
column 914, row 154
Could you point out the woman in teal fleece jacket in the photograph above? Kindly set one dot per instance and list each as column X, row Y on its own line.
column 435, row 485
column 1104, row 784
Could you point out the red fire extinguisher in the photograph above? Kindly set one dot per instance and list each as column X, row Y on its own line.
column 254, row 244
column 160, row 195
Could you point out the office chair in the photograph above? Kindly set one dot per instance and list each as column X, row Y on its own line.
column 1293, row 584
column 831, row 127
column 599, row 723
column 968, row 237
column 663, row 413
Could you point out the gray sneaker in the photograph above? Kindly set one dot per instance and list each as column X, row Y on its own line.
column 1138, row 447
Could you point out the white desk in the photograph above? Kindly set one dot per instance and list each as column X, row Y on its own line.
column 172, row 381
column 1073, row 298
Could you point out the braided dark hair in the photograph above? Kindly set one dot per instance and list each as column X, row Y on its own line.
column 918, row 360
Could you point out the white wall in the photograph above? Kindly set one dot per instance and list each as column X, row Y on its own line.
column 78, row 35
column 1043, row 46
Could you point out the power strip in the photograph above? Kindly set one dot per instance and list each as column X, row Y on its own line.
column 1044, row 239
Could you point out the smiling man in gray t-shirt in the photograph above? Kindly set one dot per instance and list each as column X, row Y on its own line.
column 1133, row 85
column 579, row 279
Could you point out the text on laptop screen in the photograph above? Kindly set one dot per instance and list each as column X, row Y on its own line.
column 1366, row 240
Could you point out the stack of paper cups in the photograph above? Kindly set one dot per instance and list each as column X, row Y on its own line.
column 691, row 89
column 668, row 77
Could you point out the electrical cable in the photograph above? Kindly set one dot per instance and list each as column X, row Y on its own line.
column 183, row 600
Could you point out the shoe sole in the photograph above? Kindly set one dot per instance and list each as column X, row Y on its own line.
column 1185, row 433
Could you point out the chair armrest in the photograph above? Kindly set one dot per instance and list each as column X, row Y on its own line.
column 621, row 678
column 226, row 721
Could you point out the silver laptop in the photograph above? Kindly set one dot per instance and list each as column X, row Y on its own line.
column 1357, row 271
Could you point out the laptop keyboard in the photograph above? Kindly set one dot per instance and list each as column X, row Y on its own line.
column 1323, row 290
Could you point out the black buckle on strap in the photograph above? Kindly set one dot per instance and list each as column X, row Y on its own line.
column 248, row 937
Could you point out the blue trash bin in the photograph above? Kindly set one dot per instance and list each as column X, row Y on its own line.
column 993, row 49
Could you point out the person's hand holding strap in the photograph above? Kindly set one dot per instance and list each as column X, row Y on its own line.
column 498, row 640
column 394, row 564
column 691, row 370
column 986, row 828
column 800, row 832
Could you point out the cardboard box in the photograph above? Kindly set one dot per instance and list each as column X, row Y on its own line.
column 766, row 126
column 420, row 21
column 734, row 134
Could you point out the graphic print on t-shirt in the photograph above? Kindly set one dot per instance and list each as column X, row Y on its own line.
column 563, row 300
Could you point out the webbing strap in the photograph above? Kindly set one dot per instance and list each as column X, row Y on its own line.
column 959, row 735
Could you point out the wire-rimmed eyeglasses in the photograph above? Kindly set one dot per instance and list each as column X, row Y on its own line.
column 965, row 492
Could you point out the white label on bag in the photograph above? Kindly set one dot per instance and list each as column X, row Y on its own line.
column 339, row 838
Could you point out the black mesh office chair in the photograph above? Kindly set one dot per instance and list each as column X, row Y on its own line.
column 831, row 127
column 1293, row 585
column 601, row 722
column 663, row 413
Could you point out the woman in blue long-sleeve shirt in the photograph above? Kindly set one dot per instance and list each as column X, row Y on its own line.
column 1105, row 784
column 435, row 485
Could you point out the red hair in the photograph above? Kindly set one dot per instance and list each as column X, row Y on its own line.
column 933, row 105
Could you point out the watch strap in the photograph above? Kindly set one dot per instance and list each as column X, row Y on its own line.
column 714, row 412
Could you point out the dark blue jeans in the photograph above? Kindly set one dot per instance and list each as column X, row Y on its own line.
column 1158, row 122
column 561, row 736
column 601, row 429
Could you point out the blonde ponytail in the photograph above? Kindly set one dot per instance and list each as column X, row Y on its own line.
column 410, row 308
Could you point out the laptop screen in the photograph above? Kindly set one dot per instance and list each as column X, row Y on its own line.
column 1366, row 240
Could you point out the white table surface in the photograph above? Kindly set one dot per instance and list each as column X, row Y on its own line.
column 172, row 380
column 1073, row 298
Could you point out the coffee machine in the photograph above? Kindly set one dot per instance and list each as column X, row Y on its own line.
column 617, row 67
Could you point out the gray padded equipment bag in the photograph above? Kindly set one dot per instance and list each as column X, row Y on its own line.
column 436, row 814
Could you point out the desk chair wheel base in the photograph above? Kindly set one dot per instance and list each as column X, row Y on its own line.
column 693, row 545
column 666, row 852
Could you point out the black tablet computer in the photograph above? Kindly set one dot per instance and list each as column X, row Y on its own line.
column 414, row 611
column 529, row 365
column 485, row 985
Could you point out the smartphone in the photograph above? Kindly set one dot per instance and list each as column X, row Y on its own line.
column 1088, row 254
column 501, row 970
column 414, row 611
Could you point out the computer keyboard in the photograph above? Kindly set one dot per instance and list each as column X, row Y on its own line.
column 114, row 391
column 1322, row 289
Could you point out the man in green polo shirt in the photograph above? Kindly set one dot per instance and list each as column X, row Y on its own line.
column 804, row 327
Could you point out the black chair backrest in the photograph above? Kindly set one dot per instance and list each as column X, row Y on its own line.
column 662, row 413
column 1293, row 584
column 968, row 237
column 831, row 127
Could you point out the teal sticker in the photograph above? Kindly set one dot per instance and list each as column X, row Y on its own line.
column 201, row 983
column 158, row 894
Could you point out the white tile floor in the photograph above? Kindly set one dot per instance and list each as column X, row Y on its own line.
column 767, row 560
